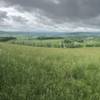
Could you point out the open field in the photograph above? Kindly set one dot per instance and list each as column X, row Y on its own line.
column 59, row 42
column 71, row 40
column 28, row 73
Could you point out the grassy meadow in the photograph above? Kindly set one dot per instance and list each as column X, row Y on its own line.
column 58, row 42
column 38, row 73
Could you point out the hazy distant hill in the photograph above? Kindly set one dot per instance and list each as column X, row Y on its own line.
column 46, row 34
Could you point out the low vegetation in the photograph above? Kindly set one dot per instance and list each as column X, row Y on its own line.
column 28, row 73
column 4, row 39
column 59, row 42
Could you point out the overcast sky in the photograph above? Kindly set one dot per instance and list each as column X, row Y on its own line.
column 50, row 15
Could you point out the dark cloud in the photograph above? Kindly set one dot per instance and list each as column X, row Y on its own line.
column 83, row 13
column 19, row 19
column 2, row 15
column 73, row 9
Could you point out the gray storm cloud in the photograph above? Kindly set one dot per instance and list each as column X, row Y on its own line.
column 83, row 13
column 20, row 19
column 2, row 15
column 76, row 9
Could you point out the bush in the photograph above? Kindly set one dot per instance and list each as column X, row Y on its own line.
column 3, row 39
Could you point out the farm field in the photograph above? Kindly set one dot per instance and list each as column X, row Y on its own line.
column 77, row 41
column 58, row 42
column 38, row 73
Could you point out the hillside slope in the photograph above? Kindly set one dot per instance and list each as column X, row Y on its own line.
column 28, row 73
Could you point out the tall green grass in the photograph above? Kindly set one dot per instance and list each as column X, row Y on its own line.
column 28, row 73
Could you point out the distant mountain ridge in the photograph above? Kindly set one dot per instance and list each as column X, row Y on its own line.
column 47, row 34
